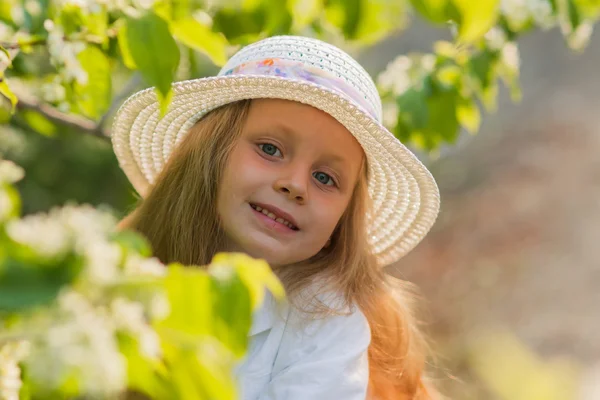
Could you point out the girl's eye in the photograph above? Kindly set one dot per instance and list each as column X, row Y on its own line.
column 269, row 149
column 324, row 178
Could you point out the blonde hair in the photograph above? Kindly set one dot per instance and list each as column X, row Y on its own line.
column 180, row 220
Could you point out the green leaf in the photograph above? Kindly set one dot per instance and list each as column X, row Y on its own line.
column 255, row 273
column 468, row 115
column 124, row 46
column 344, row 14
column 200, row 37
column 132, row 241
column 6, row 92
column 200, row 370
column 93, row 98
column 378, row 19
column 481, row 66
column 155, row 52
column 189, row 293
column 304, row 12
column 39, row 123
column 71, row 18
column 442, row 115
column 24, row 285
column 278, row 18
column 232, row 308
column 97, row 25
column 8, row 56
column 476, row 18
column 143, row 375
column 436, row 11
column 412, row 108
column 573, row 14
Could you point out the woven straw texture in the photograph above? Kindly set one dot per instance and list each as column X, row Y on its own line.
column 405, row 195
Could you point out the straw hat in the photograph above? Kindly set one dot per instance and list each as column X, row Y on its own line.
column 405, row 195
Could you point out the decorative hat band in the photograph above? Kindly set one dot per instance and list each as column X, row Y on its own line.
column 302, row 71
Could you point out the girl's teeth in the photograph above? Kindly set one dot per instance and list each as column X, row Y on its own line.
column 272, row 216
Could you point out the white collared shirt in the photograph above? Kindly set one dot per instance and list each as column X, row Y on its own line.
column 291, row 357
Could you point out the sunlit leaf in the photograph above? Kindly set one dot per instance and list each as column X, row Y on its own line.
column 193, row 34
column 511, row 371
column 468, row 114
column 433, row 10
column 124, row 47
column 255, row 273
column 6, row 92
column 93, row 98
column 476, row 18
column 304, row 11
column 232, row 308
column 39, row 123
column 189, row 294
column 132, row 241
column 344, row 14
column 154, row 52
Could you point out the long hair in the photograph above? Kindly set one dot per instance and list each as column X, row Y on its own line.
column 179, row 218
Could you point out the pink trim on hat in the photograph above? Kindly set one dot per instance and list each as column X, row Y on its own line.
column 302, row 71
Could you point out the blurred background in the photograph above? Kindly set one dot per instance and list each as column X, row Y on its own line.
column 510, row 273
column 511, row 270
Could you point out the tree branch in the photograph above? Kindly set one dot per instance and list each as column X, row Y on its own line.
column 82, row 124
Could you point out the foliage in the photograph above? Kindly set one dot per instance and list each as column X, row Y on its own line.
column 66, row 51
column 86, row 311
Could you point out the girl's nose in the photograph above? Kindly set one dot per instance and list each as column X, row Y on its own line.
column 294, row 186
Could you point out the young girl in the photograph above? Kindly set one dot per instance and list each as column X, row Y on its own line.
column 283, row 156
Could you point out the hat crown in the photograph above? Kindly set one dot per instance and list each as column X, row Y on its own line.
column 308, row 59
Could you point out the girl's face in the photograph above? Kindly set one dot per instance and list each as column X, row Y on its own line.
column 298, row 165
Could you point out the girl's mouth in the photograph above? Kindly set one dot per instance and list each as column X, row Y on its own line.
column 271, row 216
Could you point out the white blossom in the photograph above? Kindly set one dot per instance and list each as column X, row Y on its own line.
column 160, row 308
column 129, row 316
column 53, row 92
column 80, row 344
column 63, row 54
column 47, row 236
column 10, row 172
column 541, row 12
column 6, row 31
column 101, row 261
column 395, row 77
column 581, row 36
column 11, row 354
column 510, row 56
column 136, row 265
column 33, row 7
column 516, row 12
column 88, row 223
column 390, row 114
column 17, row 13
column 495, row 38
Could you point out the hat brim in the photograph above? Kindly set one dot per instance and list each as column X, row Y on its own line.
column 405, row 197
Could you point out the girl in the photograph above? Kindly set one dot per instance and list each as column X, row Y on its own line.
column 283, row 156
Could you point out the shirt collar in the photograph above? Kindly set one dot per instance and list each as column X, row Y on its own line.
column 264, row 317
